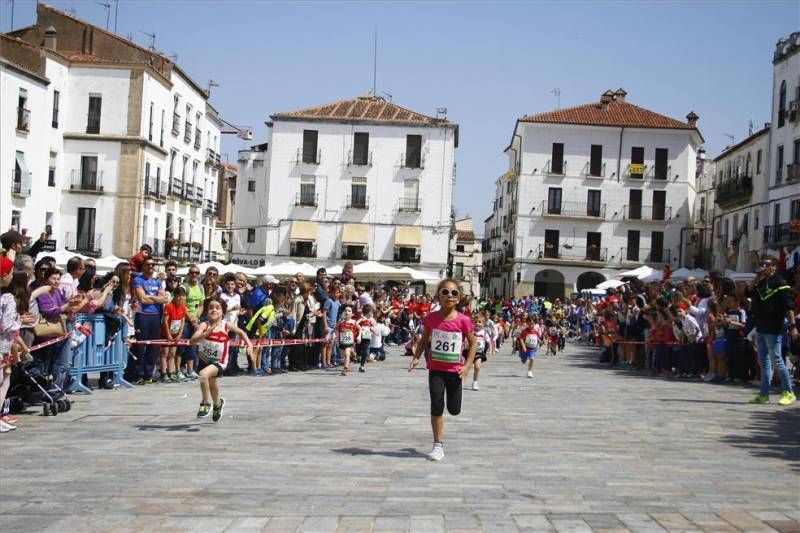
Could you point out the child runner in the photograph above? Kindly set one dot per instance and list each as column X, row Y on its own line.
column 174, row 320
column 366, row 324
column 213, row 339
column 379, row 332
column 443, row 343
column 528, row 344
column 481, row 347
column 349, row 336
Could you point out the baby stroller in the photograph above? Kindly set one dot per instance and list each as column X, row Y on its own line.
column 31, row 386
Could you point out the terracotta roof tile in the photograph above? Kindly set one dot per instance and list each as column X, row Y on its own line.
column 465, row 235
column 616, row 112
column 367, row 108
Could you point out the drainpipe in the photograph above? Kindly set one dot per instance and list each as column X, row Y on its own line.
column 619, row 154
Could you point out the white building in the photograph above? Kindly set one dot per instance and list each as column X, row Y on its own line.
column 782, row 214
column 356, row 179
column 466, row 257
column 700, row 241
column 740, row 194
column 121, row 149
column 591, row 190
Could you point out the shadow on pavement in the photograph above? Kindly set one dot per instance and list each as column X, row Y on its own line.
column 686, row 400
column 772, row 433
column 409, row 453
column 189, row 428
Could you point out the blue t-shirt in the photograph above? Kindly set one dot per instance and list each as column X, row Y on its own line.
column 331, row 307
column 151, row 287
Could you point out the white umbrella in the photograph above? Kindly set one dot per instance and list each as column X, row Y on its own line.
column 656, row 275
column 374, row 267
column 107, row 263
column 699, row 273
column 682, row 273
column 609, row 284
column 641, row 272
column 61, row 256
column 421, row 275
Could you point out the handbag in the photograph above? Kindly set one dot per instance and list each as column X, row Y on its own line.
column 47, row 330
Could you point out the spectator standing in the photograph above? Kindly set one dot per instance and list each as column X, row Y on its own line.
column 151, row 297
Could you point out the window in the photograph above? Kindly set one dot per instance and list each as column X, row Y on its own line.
column 657, row 247
column 95, row 106
column 782, row 105
column 22, row 176
column 16, row 217
column 161, row 138
column 703, row 209
column 302, row 249
column 554, row 201
column 776, row 214
column 551, row 243
column 635, row 204
column 596, row 160
column 51, row 171
column 176, row 118
column 794, row 209
column 148, row 187
column 637, row 162
column 557, row 159
column 310, row 151
column 251, row 186
column 632, row 250
column 413, row 151
column 184, row 168
column 150, row 127
column 360, row 148
column 308, row 195
column 460, row 248
column 725, row 233
column 258, row 164
column 157, row 184
column 756, row 218
column 410, row 199
column 659, row 205
column 458, row 270
column 593, row 207
column 85, row 241
column 48, row 223
column 358, row 191
column 23, row 113
column 172, row 155
column 88, row 173
column 796, row 154
column 251, row 235
column 779, row 165
column 759, row 155
column 661, row 170
column 593, row 245
column 56, row 103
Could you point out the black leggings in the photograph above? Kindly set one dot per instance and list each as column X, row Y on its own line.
column 363, row 351
column 441, row 383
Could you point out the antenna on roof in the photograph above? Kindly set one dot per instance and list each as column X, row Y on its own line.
column 211, row 83
column 108, row 11
column 173, row 56
column 557, row 93
column 116, row 12
column 387, row 94
column 750, row 128
column 375, row 63
column 729, row 136
column 152, row 39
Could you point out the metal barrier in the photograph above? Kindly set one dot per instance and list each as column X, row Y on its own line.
column 98, row 353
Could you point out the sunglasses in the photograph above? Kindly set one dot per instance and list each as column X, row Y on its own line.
column 765, row 264
column 449, row 292
column 194, row 272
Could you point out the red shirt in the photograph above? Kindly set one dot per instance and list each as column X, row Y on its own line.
column 348, row 333
column 524, row 337
column 173, row 314
column 422, row 309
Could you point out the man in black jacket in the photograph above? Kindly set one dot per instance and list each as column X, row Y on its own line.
column 772, row 301
column 13, row 240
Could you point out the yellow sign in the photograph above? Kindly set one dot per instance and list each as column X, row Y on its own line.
column 636, row 168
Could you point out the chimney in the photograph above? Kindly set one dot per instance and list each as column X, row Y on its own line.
column 605, row 98
column 620, row 95
column 691, row 119
column 50, row 38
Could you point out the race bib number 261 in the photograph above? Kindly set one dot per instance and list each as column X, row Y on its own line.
column 446, row 346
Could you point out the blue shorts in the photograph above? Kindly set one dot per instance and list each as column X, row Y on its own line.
column 527, row 355
column 719, row 345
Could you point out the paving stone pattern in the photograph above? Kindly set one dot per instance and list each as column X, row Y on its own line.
column 578, row 448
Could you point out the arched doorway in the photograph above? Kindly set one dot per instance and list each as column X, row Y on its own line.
column 589, row 280
column 549, row 283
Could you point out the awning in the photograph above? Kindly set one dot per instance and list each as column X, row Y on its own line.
column 355, row 234
column 408, row 236
column 303, row 230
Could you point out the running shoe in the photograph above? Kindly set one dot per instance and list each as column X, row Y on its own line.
column 218, row 410
column 787, row 398
column 475, row 386
column 437, row 453
column 760, row 399
column 5, row 427
column 139, row 381
column 164, row 379
column 181, row 375
column 192, row 375
column 362, row 369
column 205, row 409
column 530, row 374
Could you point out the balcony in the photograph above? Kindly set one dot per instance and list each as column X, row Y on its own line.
column 780, row 235
column 188, row 191
column 644, row 255
column 212, row 157
column 23, row 119
column 152, row 189
column 176, row 124
column 355, row 253
column 411, row 204
column 359, row 160
column 17, row 188
column 647, row 213
column 303, row 249
column 89, row 182
column 302, row 199
column 85, row 243
column 792, row 172
column 406, row 255
column 590, row 173
column 307, row 158
column 550, row 252
column 357, row 202
column 93, row 123
column 197, row 199
column 574, row 210
column 734, row 190
column 412, row 161
column 176, row 188
column 548, row 169
column 210, row 208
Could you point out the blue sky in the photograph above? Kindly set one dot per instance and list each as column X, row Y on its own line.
column 487, row 62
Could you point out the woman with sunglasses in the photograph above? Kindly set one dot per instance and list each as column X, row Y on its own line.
column 443, row 344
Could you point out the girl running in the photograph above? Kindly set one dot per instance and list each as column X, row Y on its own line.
column 366, row 325
column 482, row 347
column 349, row 336
column 213, row 338
column 528, row 344
column 443, row 343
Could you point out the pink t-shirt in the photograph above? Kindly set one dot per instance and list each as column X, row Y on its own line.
column 448, row 341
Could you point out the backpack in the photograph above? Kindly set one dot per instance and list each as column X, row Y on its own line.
column 257, row 298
